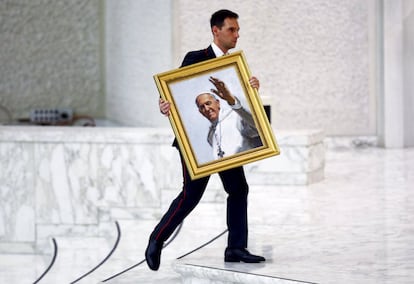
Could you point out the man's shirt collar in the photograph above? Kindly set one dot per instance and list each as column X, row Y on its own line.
column 217, row 51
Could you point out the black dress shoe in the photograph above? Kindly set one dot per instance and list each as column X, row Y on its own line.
column 153, row 254
column 237, row 255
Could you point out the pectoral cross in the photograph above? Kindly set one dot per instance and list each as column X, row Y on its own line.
column 220, row 152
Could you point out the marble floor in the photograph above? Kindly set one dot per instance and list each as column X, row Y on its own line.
column 356, row 226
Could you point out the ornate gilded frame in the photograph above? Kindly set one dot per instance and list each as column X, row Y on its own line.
column 180, row 87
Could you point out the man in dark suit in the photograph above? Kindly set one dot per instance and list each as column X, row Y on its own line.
column 225, row 29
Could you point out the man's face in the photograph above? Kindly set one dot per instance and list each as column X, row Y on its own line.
column 208, row 106
column 226, row 36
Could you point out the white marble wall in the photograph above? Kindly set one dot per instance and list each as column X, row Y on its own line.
column 17, row 221
column 72, row 181
column 63, row 181
column 301, row 160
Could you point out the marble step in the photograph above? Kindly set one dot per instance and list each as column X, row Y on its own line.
column 199, row 274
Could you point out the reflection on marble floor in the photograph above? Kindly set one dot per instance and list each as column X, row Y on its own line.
column 354, row 227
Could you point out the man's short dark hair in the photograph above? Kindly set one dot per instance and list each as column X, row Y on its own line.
column 217, row 19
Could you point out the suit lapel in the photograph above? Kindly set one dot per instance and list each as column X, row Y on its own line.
column 209, row 52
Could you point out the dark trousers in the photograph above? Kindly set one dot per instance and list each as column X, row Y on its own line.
column 234, row 182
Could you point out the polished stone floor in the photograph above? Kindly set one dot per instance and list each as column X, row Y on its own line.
column 356, row 226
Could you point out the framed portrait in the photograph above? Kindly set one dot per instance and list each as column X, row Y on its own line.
column 217, row 117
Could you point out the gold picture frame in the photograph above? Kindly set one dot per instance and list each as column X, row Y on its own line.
column 181, row 86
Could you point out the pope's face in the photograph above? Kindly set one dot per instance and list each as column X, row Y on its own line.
column 208, row 106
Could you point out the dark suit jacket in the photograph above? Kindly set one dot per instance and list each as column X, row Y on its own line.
column 194, row 57
column 197, row 56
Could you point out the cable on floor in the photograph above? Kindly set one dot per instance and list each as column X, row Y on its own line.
column 55, row 252
column 192, row 251
column 177, row 231
column 106, row 258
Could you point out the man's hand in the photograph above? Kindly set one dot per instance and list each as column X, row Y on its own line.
column 222, row 91
column 254, row 83
column 164, row 107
